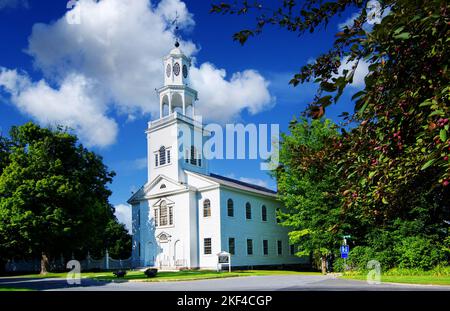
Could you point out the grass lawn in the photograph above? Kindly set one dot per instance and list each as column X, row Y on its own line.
column 13, row 289
column 171, row 276
column 409, row 279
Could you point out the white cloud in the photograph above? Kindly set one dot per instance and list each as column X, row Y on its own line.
column 349, row 21
column 140, row 163
column 222, row 100
column 114, row 57
column 360, row 73
column 375, row 14
column 123, row 214
column 72, row 105
column 171, row 9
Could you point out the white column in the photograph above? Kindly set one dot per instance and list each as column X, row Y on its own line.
column 160, row 107
column 183, row 100
column 170, row 103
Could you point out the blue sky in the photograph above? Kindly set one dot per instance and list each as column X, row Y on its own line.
column 44, row 61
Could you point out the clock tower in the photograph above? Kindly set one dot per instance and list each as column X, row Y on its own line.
column 175, row 140
column 176, row 95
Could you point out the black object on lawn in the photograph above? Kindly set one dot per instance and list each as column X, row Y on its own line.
column 120, row 273
column 151, row 272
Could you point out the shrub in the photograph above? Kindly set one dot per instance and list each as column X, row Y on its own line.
column 120, row 273
column 418, row 252
column 151, row 272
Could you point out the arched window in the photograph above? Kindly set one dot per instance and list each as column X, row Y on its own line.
column 206, row 208
column 248, row 211
column 163, row 237
column 230, row 208
column 264, row 213
column 162, row 155
column 163, row 214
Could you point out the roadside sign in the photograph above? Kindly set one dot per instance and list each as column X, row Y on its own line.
column 223, row 258
column 344, row 251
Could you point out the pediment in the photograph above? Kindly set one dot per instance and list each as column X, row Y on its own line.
column 163, row 184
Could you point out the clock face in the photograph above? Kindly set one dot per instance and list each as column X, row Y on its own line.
column 168, row 70
column 185, row 71
column 176, row 69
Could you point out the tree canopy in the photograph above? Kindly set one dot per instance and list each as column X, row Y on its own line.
column 394, row 147
column 54, row 196
column 312, row 211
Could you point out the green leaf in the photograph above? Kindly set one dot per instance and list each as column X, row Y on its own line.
column 437, row 112
column 443, row 135
column 398, row 30
column 384, row 200
column 428, row 164
column 402, row 36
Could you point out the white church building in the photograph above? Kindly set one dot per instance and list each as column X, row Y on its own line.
column 185, row 215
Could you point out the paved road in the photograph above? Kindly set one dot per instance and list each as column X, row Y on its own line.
column 257, row 283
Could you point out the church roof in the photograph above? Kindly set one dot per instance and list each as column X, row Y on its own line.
column 222, row 180
column 233, row 183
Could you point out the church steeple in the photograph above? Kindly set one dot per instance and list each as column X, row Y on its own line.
column 176, row 95
column 175, row 140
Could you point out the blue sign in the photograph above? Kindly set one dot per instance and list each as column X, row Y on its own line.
column 344, row 251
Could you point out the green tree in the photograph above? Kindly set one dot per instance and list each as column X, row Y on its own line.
column 393, row 156
column 53, row 196
column 117, row 240
column 306, row 178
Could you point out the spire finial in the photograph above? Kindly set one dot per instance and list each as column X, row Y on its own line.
column 175, row 22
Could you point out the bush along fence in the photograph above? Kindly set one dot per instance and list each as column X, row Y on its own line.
column 87, row 264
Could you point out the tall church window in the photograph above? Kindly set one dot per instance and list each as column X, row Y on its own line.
column 265, row 247
column 156, row 159
column 206, row 208
column 248, row 211
column 163, row 214
column 249, row 247
column 280, row 247
column 170, row 215
column 230, row 208
column 168, row 156
column 193, row 155
column 162, row 155
column 207, row 246
column 231, row 246
column 138, row 218
column 264, row 213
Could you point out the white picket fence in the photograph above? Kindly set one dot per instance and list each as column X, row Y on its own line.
column 89, row 263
